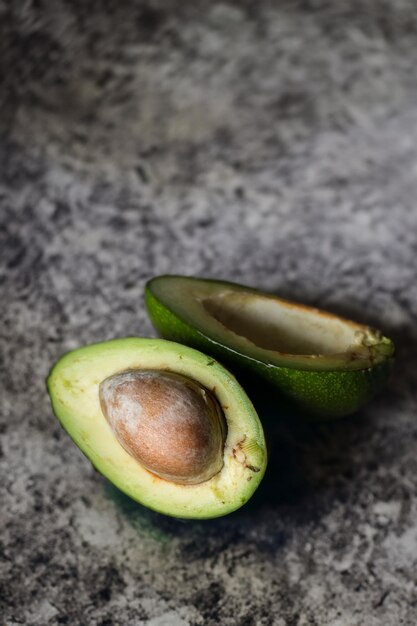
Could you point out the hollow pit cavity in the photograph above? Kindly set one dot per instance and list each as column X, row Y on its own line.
column 284, row 327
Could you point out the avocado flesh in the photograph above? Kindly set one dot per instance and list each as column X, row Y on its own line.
column 327, row 365
column 73, row 385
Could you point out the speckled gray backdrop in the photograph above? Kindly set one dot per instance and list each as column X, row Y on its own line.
column 272, row 143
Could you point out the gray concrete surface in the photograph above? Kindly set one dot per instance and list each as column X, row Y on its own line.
column 269, row 143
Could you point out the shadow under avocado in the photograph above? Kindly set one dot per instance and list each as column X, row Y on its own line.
column 148, row 523
column 157, row 526
column 306, row 455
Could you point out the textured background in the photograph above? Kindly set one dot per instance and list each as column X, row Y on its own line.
column 272, row 143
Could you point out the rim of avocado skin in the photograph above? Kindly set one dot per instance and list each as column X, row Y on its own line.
column 328, row 365
column 73, row 386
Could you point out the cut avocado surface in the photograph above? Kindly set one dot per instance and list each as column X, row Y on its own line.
column 78, row 383
column 328, row 365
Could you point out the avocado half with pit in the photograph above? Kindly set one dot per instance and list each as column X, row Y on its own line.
column 167, row 425
column 329, row 366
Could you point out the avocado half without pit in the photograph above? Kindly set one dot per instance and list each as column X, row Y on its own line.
column 167, row 425
column 327, row 365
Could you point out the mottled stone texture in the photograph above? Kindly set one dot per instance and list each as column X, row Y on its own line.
column 271, row 143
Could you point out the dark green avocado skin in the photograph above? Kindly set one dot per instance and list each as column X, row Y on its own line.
column 320, row 394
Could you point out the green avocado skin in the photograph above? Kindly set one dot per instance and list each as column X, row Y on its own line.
column 321, row 394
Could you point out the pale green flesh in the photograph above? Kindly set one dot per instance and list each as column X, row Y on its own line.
column 270, row 329
column 74, row 389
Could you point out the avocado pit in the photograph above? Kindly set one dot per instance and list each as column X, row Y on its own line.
column 170, row 424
